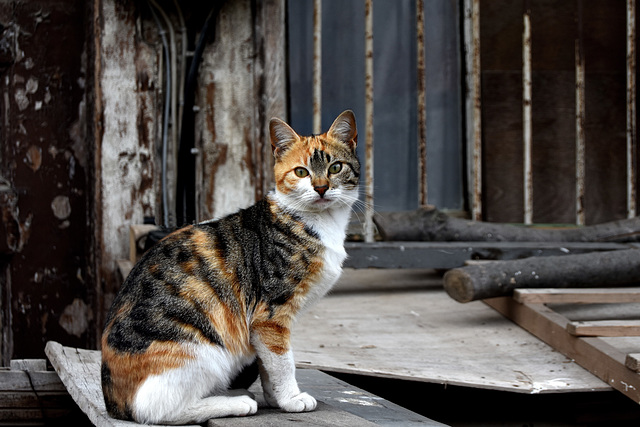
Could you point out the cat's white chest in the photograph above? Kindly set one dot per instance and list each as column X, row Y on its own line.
column 331, row 228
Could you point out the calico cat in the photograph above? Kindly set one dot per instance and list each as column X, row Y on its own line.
column 212, row 302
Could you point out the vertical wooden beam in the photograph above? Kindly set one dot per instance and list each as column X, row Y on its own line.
column 317, row 67
column 632, row 148
column 422, row 105
column 526, row 113
column 368, row 47
column 125, row 133
column 580, row 117
column 474, row 105
column 228, row 177
column 270, row 85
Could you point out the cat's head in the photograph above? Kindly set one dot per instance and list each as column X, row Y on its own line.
column 313, row 173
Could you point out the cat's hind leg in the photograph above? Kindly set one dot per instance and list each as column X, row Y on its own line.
column 174, row 406
column 194, row 392
column 215, row 407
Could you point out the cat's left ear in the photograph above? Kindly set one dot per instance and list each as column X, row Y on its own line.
column 344, row 129
column 282, row 136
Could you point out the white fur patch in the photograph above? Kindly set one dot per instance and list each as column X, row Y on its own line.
column 170, row 396
column 329, row 221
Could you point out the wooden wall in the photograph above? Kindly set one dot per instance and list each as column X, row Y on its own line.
column 45, row 261
column 82, row 86
column 554, row 29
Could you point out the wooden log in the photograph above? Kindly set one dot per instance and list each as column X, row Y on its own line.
column 500, row 278
column 430, row 224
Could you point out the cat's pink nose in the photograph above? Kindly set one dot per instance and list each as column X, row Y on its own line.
column 321, row 189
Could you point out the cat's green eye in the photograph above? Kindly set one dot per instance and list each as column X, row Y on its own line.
column 301, row 172
column 335, row 168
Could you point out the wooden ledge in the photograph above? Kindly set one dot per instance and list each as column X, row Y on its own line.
column 339, row 404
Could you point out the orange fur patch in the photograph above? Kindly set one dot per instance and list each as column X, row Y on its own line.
column 128, row 371
column 274, row 331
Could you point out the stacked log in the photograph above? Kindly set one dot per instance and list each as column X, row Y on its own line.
column 500, row 278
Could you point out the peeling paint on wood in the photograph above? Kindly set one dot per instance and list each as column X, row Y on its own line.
column 228, row 65
column 127, row 148
column 44, row 206
column 81, row 118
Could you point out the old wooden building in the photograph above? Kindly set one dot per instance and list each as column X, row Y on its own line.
column 121, row 112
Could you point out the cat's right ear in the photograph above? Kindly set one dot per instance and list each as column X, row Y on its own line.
column 282, row 136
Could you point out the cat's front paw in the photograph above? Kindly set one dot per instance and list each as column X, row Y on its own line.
column 300, row 403
column 242, row 405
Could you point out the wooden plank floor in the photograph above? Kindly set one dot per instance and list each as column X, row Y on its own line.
column 401, row 324
column 339, row 404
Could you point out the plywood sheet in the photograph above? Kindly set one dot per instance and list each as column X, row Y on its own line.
column 401, row 324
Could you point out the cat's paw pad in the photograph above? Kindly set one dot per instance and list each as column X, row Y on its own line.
column 300, row 403
column 243, row 405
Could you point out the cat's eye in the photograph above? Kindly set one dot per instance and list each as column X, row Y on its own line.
column 301, row 172
column 335, row 168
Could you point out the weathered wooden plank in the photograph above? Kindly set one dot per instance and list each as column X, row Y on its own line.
column 596, row 355
column 446, row 255
column 79, row 370
column 31, row 397
column 400, row 324
column 323, row 416
column 339, row 404
column 29, row 364
column 576, row 296
column 605, row 328
column 46, row 399
column 13, row 380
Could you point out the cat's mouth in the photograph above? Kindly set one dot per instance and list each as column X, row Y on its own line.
column 322, row 201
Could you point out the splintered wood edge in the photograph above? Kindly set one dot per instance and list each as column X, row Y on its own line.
column 577, row 296
column 632, row 361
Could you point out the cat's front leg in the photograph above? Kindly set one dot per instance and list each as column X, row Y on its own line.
column 278, row 376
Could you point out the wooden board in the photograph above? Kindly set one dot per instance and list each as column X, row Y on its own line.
column 446, row 255
column 577, row 296
column 31, row 395
column 599, row 356
column 339, row 403
column 79, row 370
column 401, row 324
column 605, row 328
